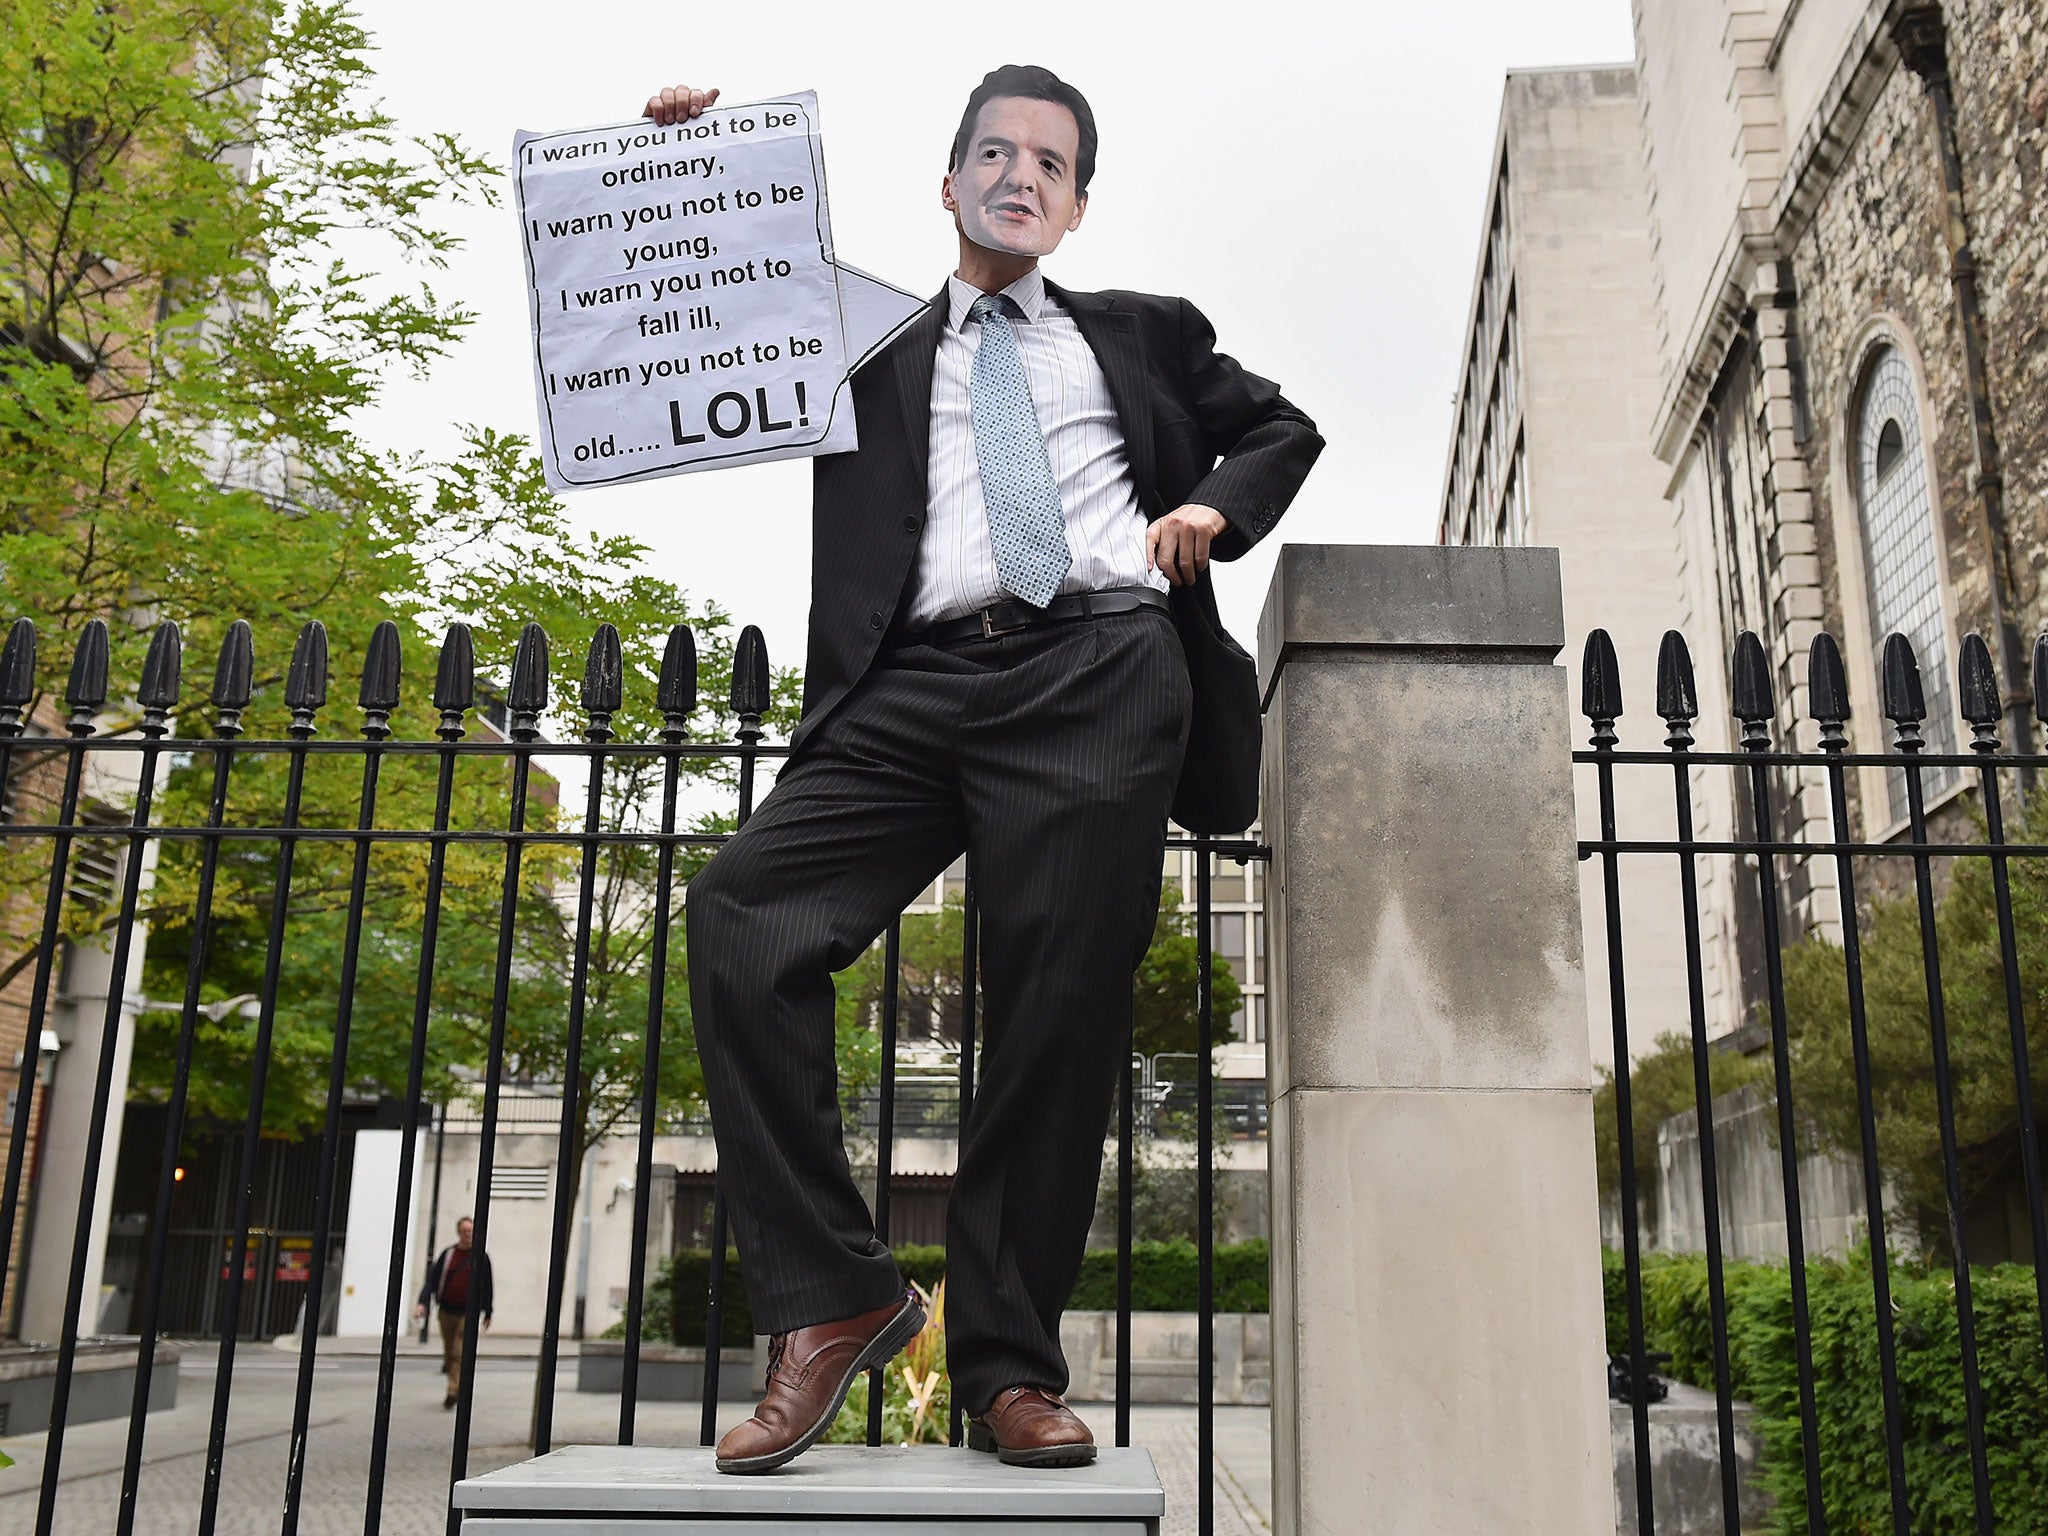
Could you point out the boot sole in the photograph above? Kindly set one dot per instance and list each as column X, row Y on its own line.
column 981, row 1438
column 905, row 1326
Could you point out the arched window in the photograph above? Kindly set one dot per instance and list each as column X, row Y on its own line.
column 1901, row 560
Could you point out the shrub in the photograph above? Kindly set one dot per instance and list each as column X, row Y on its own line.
column 1855, row 1490
column 1163, row 1278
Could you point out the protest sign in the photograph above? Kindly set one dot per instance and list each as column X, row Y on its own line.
column 685, row 300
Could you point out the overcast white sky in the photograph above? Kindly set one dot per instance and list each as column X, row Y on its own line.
column 1310, row 175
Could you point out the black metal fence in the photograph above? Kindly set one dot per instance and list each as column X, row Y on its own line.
column 1897, row 1461
column 515, row 751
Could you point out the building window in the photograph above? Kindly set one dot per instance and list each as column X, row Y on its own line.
column 1896, row 508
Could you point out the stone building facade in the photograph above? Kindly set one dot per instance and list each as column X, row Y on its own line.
column 1843, row 203
column 1837, row 408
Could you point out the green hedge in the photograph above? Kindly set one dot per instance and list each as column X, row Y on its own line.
column 1854, row 1486
column 689, row 1278
column 1162, row 1280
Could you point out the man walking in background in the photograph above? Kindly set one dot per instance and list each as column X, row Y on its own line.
column 458, row 1280
column 995, row 667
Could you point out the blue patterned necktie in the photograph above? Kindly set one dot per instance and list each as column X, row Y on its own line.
column 1026, row 527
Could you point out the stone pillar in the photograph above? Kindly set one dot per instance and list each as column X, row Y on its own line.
column 1438, row 1353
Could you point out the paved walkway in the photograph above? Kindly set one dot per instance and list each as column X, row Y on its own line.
column 416, row 1480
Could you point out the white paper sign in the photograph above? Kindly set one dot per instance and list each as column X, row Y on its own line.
column 685, row 302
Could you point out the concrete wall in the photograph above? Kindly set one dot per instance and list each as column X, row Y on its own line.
column 1164, row 1357
column 1692, row 123
column 1584, row 287
column 1832, row 1211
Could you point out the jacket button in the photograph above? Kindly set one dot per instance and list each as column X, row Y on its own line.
column 874, row 621
column 910, row 525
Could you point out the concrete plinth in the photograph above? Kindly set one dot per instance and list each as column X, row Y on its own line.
column 1438, row 1355
column 831, row 1490
column 669, row 1373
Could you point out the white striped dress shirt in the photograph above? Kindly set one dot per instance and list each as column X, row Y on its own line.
column 956, row 569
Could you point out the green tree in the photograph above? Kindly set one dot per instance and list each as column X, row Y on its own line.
column 1988, row 1128
column 1661, row 1084
column 183, row 358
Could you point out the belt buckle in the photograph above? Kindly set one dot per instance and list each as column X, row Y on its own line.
column 989, row 628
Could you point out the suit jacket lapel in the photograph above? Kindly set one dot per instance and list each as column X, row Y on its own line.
column 1112, row 335
column 915, row 354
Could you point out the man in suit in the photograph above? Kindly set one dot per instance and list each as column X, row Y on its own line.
column 992, row 668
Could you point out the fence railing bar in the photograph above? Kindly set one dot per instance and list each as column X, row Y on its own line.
column 396, row 1280
column 1677, row 704
column 2016, row 1020
column 38, row 1015
column 252, row 1134
column 885, row 1143
column 1602, row 705
column 1126, row 1141
column 1866, row 1118
column 528, row 698
column 88, row 1180
column 330, row 1148
column 638, row 839
column 1205, row 1194
column 749, row 699
column 151, row 1293
column 970, row 962
column 650, row 1071
column 1588, row 847
column 1772, row 757
column 565, row 1140
column 1755, row 708
column 1945, row 1114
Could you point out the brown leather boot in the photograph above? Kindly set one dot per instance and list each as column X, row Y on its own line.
column 809, row 1372
column 1031, row 1427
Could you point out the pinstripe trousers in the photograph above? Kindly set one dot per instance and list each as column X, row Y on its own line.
column 1050, row 757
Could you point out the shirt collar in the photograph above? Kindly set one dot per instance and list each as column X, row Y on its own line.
column 1028, row 292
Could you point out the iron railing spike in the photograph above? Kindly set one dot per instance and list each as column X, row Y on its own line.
column 379, row 695
column 305, row 685
column 529, row 691
column 2040, row 677
column 234, row 674
column 675, row 695
column 455, row 676
column 163, row 671
column 1600, row 679
column 1904, row 700
column 18, row 667
column 1978, row 695
column 87, row 689
column 1752, row 694
column 604, row 673
column 1677, row 695
column 1827, row 681
column 750, row 674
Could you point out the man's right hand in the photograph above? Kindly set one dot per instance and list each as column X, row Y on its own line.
column 677, row 103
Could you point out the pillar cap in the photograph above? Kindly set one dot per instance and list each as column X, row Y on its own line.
column 1496, row 604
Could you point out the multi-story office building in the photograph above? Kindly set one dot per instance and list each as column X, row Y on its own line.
column 1549, row 446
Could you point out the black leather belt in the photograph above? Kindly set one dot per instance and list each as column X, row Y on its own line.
column 1010, row 618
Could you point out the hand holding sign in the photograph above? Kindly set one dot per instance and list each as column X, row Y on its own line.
column 686, row 304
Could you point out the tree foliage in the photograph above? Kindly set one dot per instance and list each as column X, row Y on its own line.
column 1895, row 994
column 1661, row 1084
column 183, row 361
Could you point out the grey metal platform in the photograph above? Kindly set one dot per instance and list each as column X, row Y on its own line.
column 831, row 1490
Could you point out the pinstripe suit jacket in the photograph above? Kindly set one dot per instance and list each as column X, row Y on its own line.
column 1198, row 428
